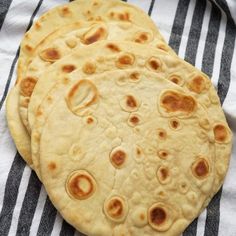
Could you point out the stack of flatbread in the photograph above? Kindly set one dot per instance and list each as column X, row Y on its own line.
column 127, row 138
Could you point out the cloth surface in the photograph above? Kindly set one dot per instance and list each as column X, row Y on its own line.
column 201, row 31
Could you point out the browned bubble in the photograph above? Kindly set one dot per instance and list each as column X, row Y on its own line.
column 95, row 36
column 50, row 55
column 113, row 47
column 115, row 208
column 173, row 101
column 154, row 64
column 197, row 84
column 125, row 60
column 76, row 186
column 68, row 68
column 27, row 86
column 124, row 16
column 158, row 216
column 134, row 120
column 174, row 124
column 134, row 76
column 118, row 158
column 141, row 37
column 221, row 133
column 52, row 166
column 163, row 174
column 176, row 79
column 161, row 134
column 90, row 120
column 65, row 11
column 28, row 48
column 163, row 154
column 200, row 168
column 80, row 84
column 131, row 102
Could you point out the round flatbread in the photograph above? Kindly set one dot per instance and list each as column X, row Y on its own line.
column 134, row 158
column 131, row 55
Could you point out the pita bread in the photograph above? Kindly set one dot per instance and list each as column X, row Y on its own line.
column 132, row 159
column 131, row 55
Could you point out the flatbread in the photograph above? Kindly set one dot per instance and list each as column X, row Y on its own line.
column 132, row 55
column 71, row 37
column 132, row 159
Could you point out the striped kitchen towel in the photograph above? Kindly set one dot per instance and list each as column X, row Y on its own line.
column 201, row 31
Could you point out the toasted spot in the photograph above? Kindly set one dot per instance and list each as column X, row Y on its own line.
column 65, row 11
column 163, row 175
column 120, row 16
column 161, row 133
column 129, row 103
column 221, row 133
column 197, row 84
column 160, row 216
column 90, row 120
column 176, row 79
column 113, row 47
column 116, row 208
column 68, row 68
column 135, row 77
column 200, row 168
column 125, row 60
column 174, row 124
column 50, row 55
column 133, row 120
column 27, row 86
column 154, row 63
column 28, row 48
column 163, row 154
column 118, row 158
column 142, row 37
column 81, row 185
column 173, row 102
column 37, row 26
column 138, row 151
column 95, row 34
column 52, row 166
column 81, row 96
column 89, row 68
